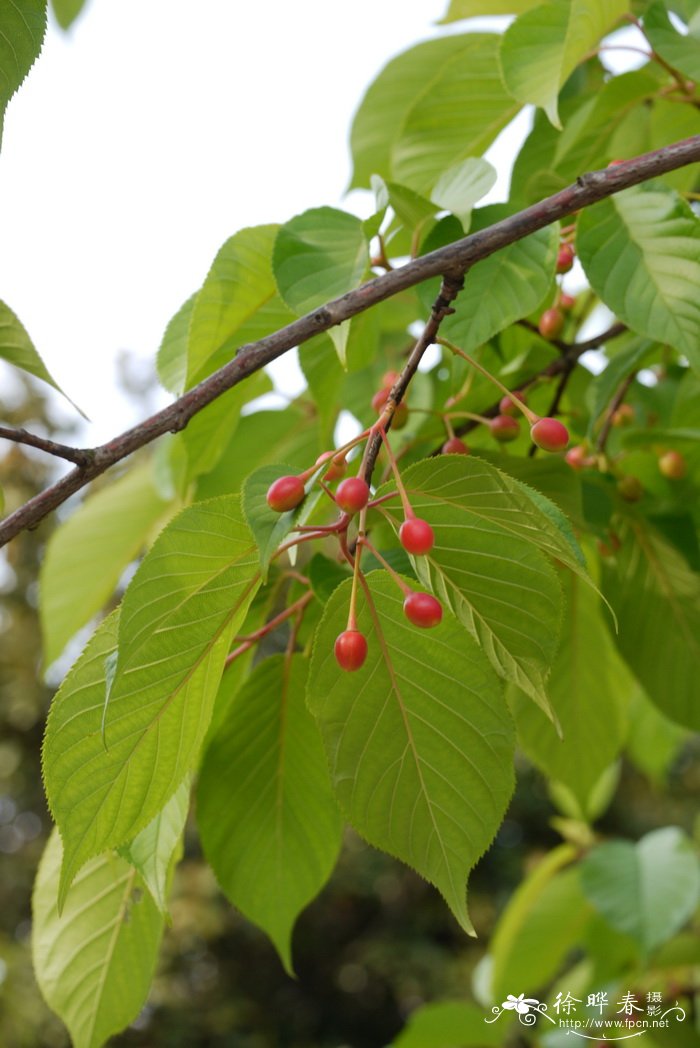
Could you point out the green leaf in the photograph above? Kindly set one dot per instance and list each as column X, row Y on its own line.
column 431, row 107
column 319, row 255
column 653, row 740
column 606, row 384
column 94, row 963
column 270, row 528
column 22, row 30
column 157, row 847
column 325, row 376
column 487, row 562
column 641, row 253
column 543, row 919
column 324, row 575
column 16, row 347
column 444, row 1024
column 588, row 694
column 106, row 781
column 419, row 739
column 647, row 890
column 459, row 188
column 269, row 823
column 656, row 597
column 682, row 52
column 237, row 303
column 208, row 433
column 545, row 44
column 501, row 289
column 88, row 552
column 670, row 122
column 66, row 11
column 171, row 359
column 460, row 9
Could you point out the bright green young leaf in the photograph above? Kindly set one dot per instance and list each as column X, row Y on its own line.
column 94, row 962
column 541, row 922
column 86, row 556
column 112, row 761
column 67, row 11
column 22, row 29
column 413, row 211
column 588, row 694
column 237, row 303
column 682, row 52
column 501, row 289
column 545, row 44
column 16, row 347
column 319, row 255
column 656, row 597
column 171, row 359
column 488, row 565
column 431, row 107
column 459, row 188
column 460, row 9
column 647, row 890
column 419, row 739
column 155, row 849
column 641, row 253
column 269, row 823
column 445, row 1024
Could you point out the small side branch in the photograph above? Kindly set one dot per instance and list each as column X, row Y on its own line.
column 78, row 456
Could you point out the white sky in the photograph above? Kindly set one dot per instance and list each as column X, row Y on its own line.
column 154, row 130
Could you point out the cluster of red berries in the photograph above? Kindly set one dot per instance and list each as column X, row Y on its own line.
column 549, row 434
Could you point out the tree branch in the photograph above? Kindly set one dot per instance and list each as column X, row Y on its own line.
column 449, row 262
column 79, row 456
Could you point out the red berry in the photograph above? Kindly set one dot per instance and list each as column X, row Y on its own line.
column 379, row 400
column 337, row 468
column 507, row 407
column 352, row 494
column 630, row 487
column 623, row 416
column 672, row 465
column 551, row 323
column 577, row 457
column 504, row 428
column 350, row 650
column 389, row 378
column 565, row 258
column 549, row 434
column 567, row 302
column 285, row 493
column 416, row 536
column 422, row 609
column 454, row 446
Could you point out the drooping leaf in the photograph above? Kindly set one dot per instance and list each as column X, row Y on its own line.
column 269, row 823
column 86, row 555
column 94, row 962
column 656, row 597
column 647, row 890
column 488, row 565
column 67, row 11
column 237, row 303
column 419, row 739
column 542, row 920
column 432, row 106
column 641, row 253
column 546, row 43
column 682, row 52
column 110, row 768
column 501, row 289
column 317, row 256
column 444, row 1024
column 154, row 850
column 588, row 694
column 16, row 347
column 22, row 30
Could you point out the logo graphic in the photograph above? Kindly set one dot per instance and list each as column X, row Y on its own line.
column 602, row 1021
